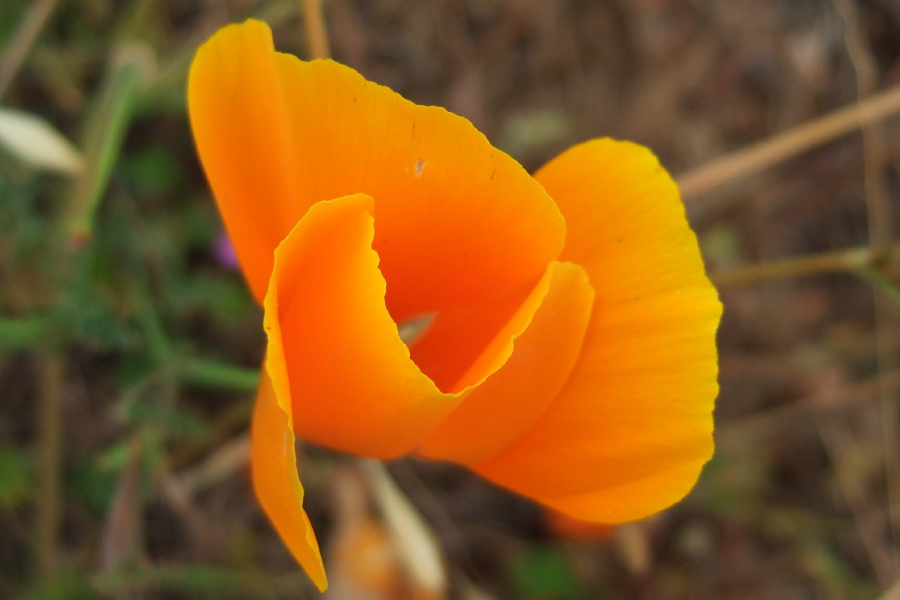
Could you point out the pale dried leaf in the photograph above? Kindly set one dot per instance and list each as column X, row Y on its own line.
column 634, row 545
column 469, row 591
column 414, row 542
column 36, row 142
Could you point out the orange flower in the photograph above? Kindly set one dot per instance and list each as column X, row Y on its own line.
column 571, row 357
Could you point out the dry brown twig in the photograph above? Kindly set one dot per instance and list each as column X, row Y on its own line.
column 49, row 504
column 220, row 465
column 27, row 32
column 782, row 147
column 844, row 397
column 867, row 115
column 121, row 542
column 879, row 219
column 841, row 447
column 830, row 262
column 316, row 32
column 893, row 593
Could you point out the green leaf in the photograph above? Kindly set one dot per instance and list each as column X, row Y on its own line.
column 94, row 483
column 70, row 586
column 153, row 171
column 15, row 478
column 545, row 572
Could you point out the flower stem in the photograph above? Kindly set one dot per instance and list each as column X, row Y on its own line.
column 104, row 137
column 213, row 374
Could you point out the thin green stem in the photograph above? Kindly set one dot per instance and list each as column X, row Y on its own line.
column 21, row 333
column 104, row 136
column 213, row 374
column 878, row 280
column 158, row 344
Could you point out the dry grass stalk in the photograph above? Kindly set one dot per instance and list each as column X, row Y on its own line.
column 878, row 210
column 22, row 40
column 316, row 32
column 779, row 148
column 49, row 503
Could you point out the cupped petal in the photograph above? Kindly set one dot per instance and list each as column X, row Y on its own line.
column 273, row 464
column 456, row 219
column 643, row 496
column 497, row 412
column 333, row 351
column 335, row 359
column 238, row 116
column 632, row 427
column 335, row 355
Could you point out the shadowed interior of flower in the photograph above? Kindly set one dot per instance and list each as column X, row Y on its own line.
column 460, row 346
column 415, row 327
column 424, row 294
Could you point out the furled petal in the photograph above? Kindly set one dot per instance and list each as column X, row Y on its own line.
column 455, row 218
column 335, row 359
column 274, row 470
column 631, row 429
column 334, row 351
column 508, row 403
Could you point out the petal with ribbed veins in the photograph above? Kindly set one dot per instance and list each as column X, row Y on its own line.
column 642, row 496
column 632, row 427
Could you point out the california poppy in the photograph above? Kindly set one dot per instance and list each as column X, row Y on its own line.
column 570, row 355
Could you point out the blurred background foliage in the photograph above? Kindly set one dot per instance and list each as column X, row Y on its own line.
column 129, row 345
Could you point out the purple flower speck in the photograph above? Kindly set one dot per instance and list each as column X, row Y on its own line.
column 223, row 251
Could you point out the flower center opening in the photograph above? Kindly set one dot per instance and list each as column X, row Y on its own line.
column 414, row 328
column 455, row 346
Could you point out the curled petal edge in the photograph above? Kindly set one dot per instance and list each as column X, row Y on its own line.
column 273, row 465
